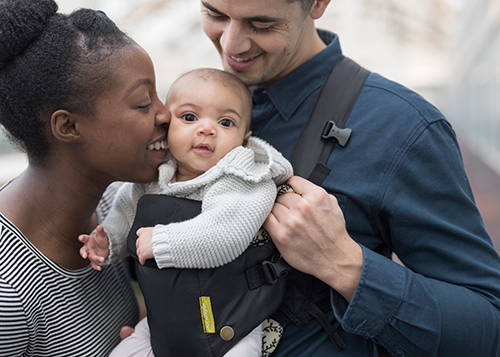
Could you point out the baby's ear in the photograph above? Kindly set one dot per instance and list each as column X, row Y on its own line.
column 247, row 135
column 63, row 125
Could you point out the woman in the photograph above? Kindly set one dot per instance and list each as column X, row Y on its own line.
column 79, row 97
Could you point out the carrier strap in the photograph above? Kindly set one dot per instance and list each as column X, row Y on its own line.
column 323, row 128
column 330, row 329
column 325, row 124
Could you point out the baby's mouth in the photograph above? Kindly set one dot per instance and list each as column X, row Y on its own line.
column 203, row 148
column 159, row 145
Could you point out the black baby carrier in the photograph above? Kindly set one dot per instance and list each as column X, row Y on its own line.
column 204, row 312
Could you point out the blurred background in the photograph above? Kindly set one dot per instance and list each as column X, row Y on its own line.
column 446, row 50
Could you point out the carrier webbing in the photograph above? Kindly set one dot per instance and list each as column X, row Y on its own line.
column 307, row 297
column 325, row 124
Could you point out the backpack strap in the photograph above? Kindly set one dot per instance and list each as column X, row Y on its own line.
column 307, row 297
column 325, row 124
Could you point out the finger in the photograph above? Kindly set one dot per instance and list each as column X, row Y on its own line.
column 96, row 266
column 139, row 231
column 302, row 186
column 271, row 222
column 299, row 184
column 83, row 252
column 126, row 331
column 83, row 238
column 96, row 258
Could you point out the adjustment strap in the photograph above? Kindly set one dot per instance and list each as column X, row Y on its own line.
column 330, row 329
column 268, row 272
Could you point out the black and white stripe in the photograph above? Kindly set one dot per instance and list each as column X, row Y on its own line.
column 46, row 310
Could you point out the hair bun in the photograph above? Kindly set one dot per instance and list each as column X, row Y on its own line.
column 21, row 23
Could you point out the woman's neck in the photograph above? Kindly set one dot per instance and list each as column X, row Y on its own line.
column 52, row 210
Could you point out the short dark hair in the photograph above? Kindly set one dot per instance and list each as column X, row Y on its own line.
column 304, row 4
column 51, row 61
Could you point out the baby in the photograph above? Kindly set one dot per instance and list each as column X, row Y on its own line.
column 213, row 159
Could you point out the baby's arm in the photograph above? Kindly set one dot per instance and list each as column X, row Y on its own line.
column 95, row 247
column 233, row 210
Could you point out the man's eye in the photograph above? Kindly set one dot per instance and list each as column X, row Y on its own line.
column 226, row 122
column 260, row 27
column 214, row 16
column 189, row 117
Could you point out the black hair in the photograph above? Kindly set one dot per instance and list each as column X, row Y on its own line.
column 50, row 61
column 304, row 4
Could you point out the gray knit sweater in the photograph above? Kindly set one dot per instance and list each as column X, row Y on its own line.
column 237, row 195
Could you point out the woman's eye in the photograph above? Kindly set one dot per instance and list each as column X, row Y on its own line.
column 146, row 106
column 226, row 122
column 189, row 117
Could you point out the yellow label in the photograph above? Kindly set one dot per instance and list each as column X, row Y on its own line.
column 207, row 317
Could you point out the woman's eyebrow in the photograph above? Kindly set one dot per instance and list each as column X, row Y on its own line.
column 137, row 84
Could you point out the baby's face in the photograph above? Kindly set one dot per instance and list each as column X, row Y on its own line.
column 208, row 121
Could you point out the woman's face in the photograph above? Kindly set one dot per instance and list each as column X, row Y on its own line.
column 125, row 137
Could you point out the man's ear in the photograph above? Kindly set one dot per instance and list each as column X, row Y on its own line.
column 318, row 9
column 63, row 125
column 247, row 135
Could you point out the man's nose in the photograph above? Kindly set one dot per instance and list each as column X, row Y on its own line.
column 235, row 39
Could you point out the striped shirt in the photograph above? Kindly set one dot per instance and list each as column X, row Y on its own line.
column 47, row 310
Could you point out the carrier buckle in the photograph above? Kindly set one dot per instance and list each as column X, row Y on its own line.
column 332, row 131
column 275, row 268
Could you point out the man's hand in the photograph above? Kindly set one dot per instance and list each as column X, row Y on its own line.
column 308, row 228
column 143, row 244
column 95, row 247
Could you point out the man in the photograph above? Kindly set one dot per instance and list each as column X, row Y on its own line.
column 399, row 182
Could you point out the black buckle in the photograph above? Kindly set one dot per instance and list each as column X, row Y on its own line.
column 332, row 131
column 275, row 268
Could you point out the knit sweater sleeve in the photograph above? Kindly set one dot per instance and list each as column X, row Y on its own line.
column 233, row 210
column 119, row 220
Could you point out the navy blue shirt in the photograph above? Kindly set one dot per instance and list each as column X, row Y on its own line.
column 400, row 180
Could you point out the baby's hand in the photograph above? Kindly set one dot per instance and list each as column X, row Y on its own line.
column 143, row 244
column 95, row 247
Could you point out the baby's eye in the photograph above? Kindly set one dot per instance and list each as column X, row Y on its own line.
column 226, row 122
column 189, row 117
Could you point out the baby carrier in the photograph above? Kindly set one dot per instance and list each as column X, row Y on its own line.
column 203, row 312
column 209, row 310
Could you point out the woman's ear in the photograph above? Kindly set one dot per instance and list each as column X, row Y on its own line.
column 63, row 125
column 318, row 9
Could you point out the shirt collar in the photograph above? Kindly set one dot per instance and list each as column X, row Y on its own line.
column 288, row 93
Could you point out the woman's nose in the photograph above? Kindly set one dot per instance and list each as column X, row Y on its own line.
column 162, row 116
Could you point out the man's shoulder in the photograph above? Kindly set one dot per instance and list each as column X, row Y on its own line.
column 394, row 99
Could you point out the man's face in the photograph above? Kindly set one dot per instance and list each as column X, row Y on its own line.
column 259, row 41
